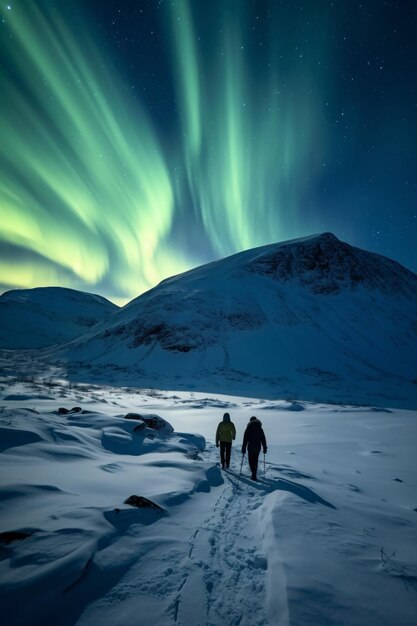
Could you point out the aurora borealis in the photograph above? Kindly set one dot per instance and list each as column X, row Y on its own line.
column 139, row 139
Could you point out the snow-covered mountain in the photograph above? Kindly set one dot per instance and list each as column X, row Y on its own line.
column 34, row 318
column 312, row 318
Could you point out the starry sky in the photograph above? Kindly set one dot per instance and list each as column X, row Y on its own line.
column 140, row 138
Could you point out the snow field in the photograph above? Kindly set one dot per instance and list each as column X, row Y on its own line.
column 327, row 535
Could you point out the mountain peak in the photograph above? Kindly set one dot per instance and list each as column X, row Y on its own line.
column 325, row 265
column 326, row 236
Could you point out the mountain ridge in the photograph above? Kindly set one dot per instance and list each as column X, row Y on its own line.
column 326, row 238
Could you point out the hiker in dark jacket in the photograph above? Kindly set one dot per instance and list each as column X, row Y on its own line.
column 225, row 434
column 253, row 439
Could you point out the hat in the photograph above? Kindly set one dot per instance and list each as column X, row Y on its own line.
column 226, row 417
column 253, row 418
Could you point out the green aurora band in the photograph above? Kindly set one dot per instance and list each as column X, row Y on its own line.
column 89, row 194
column 249, row 146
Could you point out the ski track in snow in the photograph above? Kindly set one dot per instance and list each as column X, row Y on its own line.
column 211, row 573
column 218, row 563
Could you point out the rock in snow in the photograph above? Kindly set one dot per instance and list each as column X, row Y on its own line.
column 140, row 502
column 151, row 421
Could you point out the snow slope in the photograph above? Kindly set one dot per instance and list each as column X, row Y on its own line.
column 312, row 318
column 327, row 536
column 34, row 318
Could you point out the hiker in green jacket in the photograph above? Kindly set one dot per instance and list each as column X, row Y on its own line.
column 225, row 434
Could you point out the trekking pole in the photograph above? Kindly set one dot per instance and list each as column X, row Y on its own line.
column 264, row 465
column 241, row 465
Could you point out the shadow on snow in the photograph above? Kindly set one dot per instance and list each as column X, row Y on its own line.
column 268, row 485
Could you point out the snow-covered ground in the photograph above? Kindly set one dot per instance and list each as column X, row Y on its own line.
column 328, row 536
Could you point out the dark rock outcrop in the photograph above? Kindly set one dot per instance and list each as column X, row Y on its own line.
column 156, row 422
column 140, row 502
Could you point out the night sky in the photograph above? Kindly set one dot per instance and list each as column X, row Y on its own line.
column 139, row 139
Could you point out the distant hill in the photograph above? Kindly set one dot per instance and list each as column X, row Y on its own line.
column 44, row 316
column 312, row 318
